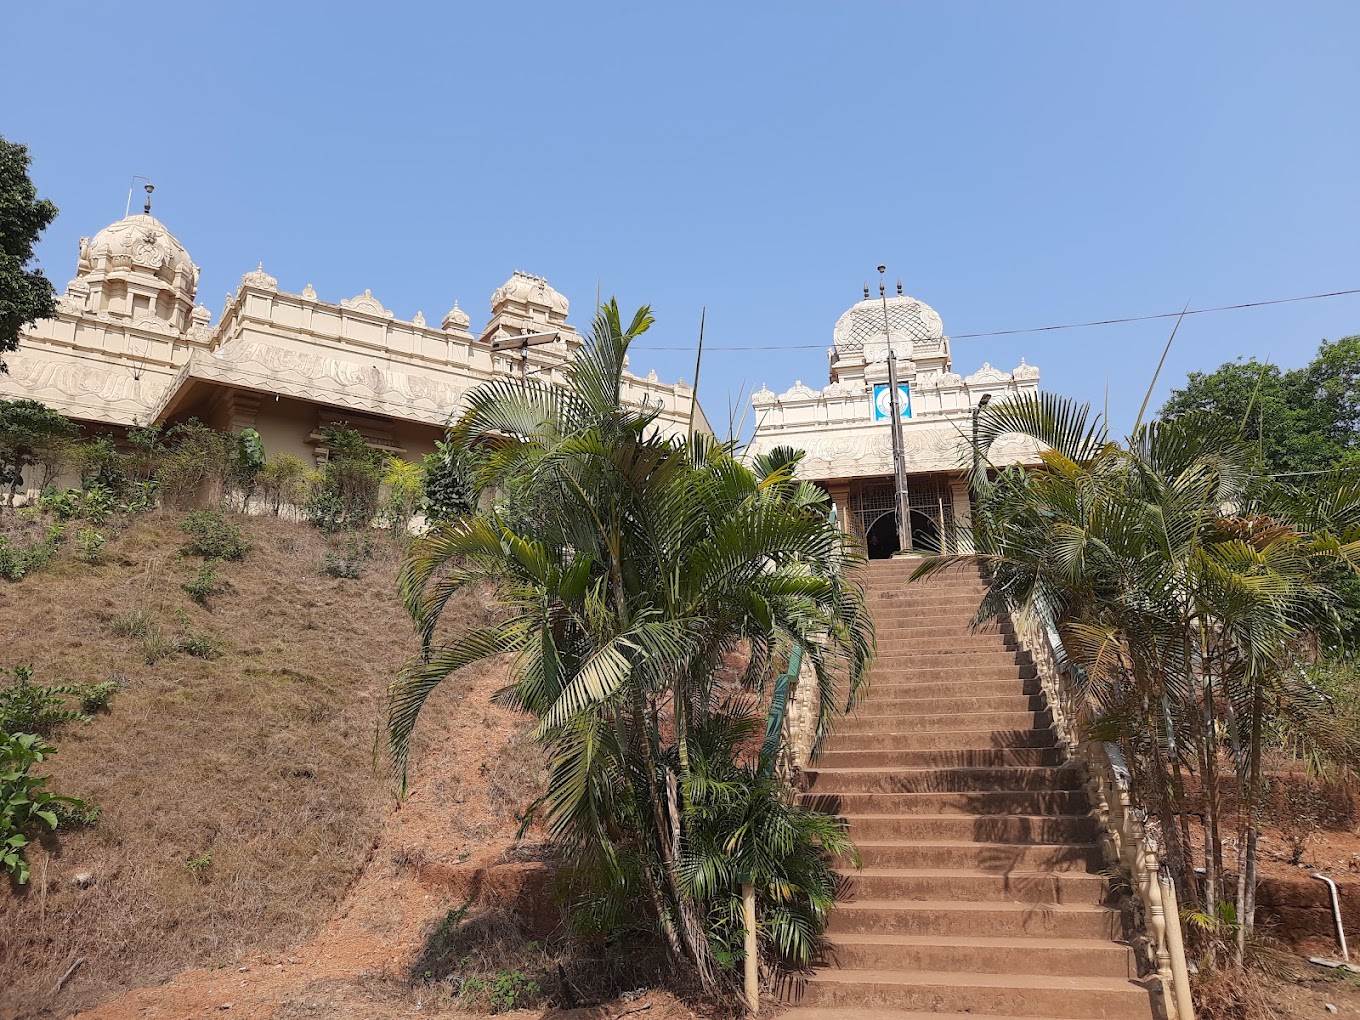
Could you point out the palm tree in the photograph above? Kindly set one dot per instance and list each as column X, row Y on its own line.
column 1183, row 584
column 633, row 566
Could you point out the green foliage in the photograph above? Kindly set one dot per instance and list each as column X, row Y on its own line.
column 200, row 865
column 28, row 707
column 205, row 585
column 29, row 430
column 100, row 463
column 26, row 295
column 501, row 992
column 94, row 503
column 200, row 646
column 638, row 564
column 212, row 537
column 1182, row 581
column 347, row 496
column 15, row 564
column 196, row 465
column 1305, row 419
column 90, row 545
column 449, row 491
column 25, row 803
column 403, row 483
column 283, row 482
column 95, row 698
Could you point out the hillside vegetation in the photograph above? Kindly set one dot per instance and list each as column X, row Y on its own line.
column 233, row 768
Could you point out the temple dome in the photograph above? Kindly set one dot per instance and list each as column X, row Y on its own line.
column 860, row 329
column 524, row 290
column 140, row 242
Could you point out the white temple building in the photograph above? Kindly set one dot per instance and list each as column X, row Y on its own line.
column 130, row 345
column 845, row 428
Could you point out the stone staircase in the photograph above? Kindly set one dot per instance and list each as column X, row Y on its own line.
column 979, row 892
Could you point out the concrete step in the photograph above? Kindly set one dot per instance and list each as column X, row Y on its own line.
column 898, row 673
column 959, row 657
column 988, row 857
column 978, row 828
column 867, row 752
column 950, row 917
column 1078, row 998
column 943, row 780
column 896, row 644
column 960, row 954
column 953, row 739
column 883, row 699
column 931, row 689
column 876, row 720
column 975, row 802
column 1038, row 888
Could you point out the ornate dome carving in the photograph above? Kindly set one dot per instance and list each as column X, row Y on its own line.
column 860, row 329
column 140, row 242
column 530, row 291
column 456, row 320
column 259, row 279
column 366, row 303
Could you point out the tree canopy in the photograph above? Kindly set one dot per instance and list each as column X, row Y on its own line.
column 1301, row 420
column 26, row 295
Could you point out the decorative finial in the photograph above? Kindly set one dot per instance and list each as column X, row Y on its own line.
column 866, row 292
column 149, row 189
column 899, row 286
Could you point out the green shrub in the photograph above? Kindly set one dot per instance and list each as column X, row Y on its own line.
column 500, row 992
column 200, row 865
column 95, row 698
column 204, row 585
column 212, row 537
column 90, row 544
column 200, row 646
column 347, row 496
column 16, row 564
column 283, row 481
column 25, row 804
column 449, row 492
column 403, row 483
column 28, row 707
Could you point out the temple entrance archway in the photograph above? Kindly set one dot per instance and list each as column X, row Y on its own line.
column 930, row 503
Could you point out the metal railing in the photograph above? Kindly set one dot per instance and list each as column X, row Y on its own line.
column 1125, row 839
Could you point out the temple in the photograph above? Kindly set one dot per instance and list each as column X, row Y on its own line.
column 130, row 345
column 845, row 427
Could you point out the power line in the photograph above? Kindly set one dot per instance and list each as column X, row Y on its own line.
column 1035, row 329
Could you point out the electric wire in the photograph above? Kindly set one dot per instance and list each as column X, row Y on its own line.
column 1030, row 329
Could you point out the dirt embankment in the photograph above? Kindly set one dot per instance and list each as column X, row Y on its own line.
column 245, row 834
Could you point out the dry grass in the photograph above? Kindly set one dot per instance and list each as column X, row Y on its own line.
column 258, row 765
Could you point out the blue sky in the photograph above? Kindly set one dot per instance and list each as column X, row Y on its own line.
column 1017, row 164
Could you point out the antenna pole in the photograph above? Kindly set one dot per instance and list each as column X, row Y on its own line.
column 698, row 360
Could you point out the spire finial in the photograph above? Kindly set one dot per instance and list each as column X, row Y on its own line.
column 899, row 286
column 866, row 292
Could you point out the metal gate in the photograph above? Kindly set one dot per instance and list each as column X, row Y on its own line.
column 929, row 501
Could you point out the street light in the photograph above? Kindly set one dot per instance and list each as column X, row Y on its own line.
column 522, row 342
column 899, row 469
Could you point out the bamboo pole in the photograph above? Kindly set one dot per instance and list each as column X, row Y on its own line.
column 748, row 909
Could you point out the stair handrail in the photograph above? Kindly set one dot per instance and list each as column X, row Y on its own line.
column 1125, row 839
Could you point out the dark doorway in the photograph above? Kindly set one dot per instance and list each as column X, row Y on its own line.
column 882, row 537
column 925, row 533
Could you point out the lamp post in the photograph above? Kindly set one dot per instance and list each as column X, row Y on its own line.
column 522, row 342
column 899, row 469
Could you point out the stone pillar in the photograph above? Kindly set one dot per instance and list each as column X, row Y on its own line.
column 840, row 496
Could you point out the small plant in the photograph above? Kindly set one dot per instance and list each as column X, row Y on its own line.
column 348, row 562
column 95, row 698
column 501, row 991
column 156, row 646
column 212, row 537
column 25, row 803
column 205, row 585
column 200, row 646
column 15, row 564
column 76, row 815
column 136, row 623
column 28, row 707
column 198, row 866
column 90, row 545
